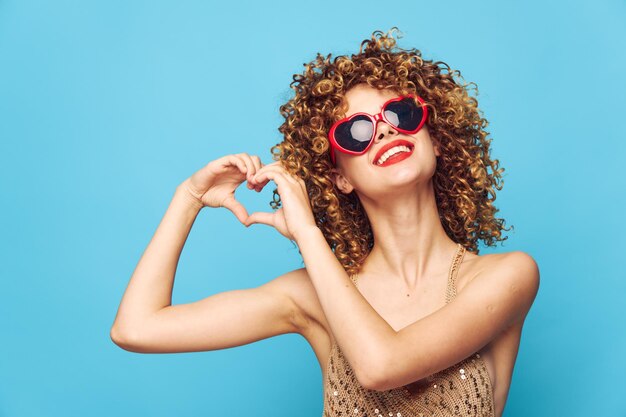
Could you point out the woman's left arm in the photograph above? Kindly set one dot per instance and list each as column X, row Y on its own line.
column 364, row 336
column 381, row 357
column 490, row 303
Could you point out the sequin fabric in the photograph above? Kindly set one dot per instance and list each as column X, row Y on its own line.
column 463, row 389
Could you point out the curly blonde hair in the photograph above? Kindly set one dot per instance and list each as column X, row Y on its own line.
column 464, row 188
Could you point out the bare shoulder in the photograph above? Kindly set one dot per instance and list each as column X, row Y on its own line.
column 510, row 272
column 500, row 259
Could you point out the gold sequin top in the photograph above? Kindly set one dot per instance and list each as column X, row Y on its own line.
column 464, row 389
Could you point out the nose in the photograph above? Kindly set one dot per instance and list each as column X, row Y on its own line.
column 383, row 129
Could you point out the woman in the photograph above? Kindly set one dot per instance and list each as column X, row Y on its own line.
column 384, row 185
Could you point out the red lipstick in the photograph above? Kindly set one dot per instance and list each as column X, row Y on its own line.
column 397, row 157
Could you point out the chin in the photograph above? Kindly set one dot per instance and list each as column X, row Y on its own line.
column 419, row 170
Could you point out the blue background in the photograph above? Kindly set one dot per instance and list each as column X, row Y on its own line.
column 105, row 107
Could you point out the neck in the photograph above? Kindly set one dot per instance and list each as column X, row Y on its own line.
column 410, row 243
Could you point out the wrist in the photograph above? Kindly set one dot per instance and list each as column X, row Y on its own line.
column 307, row 233
column 185, row 193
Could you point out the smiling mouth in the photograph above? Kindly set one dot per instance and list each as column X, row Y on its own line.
column 396, row 157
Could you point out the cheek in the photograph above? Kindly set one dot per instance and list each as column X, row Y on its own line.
column 359, row 171
column 433, row 144
column 432, row 155
column 422, row 163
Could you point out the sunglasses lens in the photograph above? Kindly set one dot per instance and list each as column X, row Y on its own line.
column 404, row 114
column 354, row 134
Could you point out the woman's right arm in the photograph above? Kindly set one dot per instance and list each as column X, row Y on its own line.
column 146, row 321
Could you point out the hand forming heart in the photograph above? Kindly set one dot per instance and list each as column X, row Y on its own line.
column 295, row 215
column 214, row 186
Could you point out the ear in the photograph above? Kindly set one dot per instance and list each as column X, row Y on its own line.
column 342, row 182
column 437, row 151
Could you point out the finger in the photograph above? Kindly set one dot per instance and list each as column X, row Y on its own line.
column 216, row 167
column 253, row 166
column 263, row 166
column 261, row 184
column 258, row 165
column 274, row 168
column 260, row 217
column 278, row 177
column 237, row 208
column 232, row 161
column 249, row 165
column 257, row 162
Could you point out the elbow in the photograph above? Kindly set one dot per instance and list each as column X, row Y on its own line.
column 375, row 382
column 367, row 381
column 118, row 337
column 373, row 369
column 125, row 339
column 381, row 375
column 371, row 385
column 371, row 377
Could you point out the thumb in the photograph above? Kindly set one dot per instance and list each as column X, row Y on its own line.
column 260, row 217
column 237, row 208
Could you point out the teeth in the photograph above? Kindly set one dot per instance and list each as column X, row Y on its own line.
column 392, row 151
